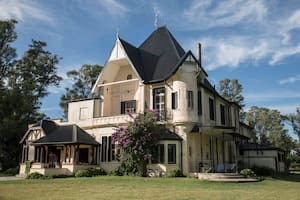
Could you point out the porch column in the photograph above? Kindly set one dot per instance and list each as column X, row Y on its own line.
column 235, row 152
column 211, row 151
column 142, row 98
column 23, row 154
column 76, row 154
column 41, row 154
column 223, row 151
column 46, row 156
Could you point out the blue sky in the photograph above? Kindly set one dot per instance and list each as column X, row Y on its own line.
column 255, row 41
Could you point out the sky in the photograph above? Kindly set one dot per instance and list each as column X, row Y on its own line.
column 254, row 41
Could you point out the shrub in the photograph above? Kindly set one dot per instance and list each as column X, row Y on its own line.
column 263, row 171
column 11, row 171
column 96, row 171
column 247, row 173
column 116, row 172
column 62, row 176
column 174, row 173
column 28, row 166
column 83, row 173
column 36, row 175
column 93, row 171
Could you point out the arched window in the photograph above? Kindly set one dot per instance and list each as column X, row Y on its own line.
column 129, row 76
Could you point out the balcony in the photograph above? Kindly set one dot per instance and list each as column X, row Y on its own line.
column 102, row 121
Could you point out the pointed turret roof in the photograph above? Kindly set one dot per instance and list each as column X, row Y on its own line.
column 158, row 57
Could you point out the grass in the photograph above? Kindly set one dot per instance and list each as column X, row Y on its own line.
column 110, row 187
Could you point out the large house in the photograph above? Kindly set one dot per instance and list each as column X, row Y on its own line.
column 204, row 131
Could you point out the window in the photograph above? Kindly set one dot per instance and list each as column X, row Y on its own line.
column 159, row 102
column 129, row 76
column 128, row 106
column 107, row 154
column 211, row 109
column 222, row 111
column 190, row 99
column 171, row 153
column 83, row 113
column 199, row 103
column 83, row 155
column 174, row 100
column 160, row 156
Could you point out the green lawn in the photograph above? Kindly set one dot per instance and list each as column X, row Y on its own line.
column 109, row 187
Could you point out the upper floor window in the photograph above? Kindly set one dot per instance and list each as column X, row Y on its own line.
column 174, row 100
column 129, row 76
column 222, row 111
column 190, row 99
column 83, row 113
column 128, row 106
column 159, row 102
column 199, row 103
column 211, row 109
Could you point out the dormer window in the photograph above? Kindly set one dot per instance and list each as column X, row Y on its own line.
column 129, row 76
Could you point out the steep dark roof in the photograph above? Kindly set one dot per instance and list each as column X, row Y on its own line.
column 158, row 57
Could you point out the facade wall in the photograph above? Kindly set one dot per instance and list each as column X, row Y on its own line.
column 264, row 158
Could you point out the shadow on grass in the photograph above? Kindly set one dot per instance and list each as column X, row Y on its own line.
column 293, row 177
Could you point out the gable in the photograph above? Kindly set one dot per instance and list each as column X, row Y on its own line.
column 113, row 69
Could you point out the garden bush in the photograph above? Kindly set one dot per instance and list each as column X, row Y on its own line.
column 11, row 171
column 247, row 173
column 83, row 173
column 97, row 171
column 174, row 173
column 36, row 175
column 263, row 171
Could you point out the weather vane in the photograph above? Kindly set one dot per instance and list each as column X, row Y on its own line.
column 156, row 19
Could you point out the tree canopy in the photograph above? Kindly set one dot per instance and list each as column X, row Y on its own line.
column 83, row 81
column 23, row 83
column 231, row 90
column 269, row 127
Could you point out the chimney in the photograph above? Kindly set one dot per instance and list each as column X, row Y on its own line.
column 199, row 54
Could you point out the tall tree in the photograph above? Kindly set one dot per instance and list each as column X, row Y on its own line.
column 231, row 90
column 24, row 82
column 295, row 122
column 83, row 80
column 269, row 127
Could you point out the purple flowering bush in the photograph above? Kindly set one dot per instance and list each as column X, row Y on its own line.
column 138, row 142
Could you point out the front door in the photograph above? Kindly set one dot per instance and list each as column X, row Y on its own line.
column 54, row 157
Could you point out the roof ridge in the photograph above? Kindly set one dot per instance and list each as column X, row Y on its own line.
column 172, row 42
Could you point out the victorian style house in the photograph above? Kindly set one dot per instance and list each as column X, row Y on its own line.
column 203, row 128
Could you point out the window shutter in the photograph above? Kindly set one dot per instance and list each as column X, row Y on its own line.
column 122, row 107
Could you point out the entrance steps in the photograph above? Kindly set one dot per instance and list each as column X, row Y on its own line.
column 224, row 177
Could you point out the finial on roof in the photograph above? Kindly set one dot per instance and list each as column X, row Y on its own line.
column 117, row 32
column 156, row 19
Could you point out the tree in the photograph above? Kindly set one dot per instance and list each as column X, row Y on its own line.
column 269, row 127
column 83, row 79
column 295, row 122
column 24, row 83
column 138, row 141
column 231, row 90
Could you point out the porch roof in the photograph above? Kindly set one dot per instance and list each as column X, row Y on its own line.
column 66, row 134
column 169, row 135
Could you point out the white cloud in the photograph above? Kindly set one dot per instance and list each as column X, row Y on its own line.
column 114, row 8
column 231, row 51
column 292, row 79
column 284, row 53
column 21, row 10
column 208, row 14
